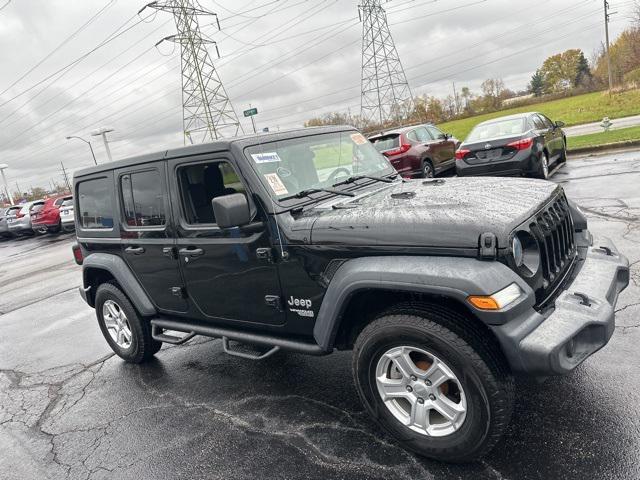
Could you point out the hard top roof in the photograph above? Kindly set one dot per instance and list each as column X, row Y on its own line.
column 217, row 146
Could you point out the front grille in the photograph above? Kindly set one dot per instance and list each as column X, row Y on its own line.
column 553, row 229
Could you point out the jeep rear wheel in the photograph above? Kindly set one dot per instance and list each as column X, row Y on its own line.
column 441, row 388
column 128, row 334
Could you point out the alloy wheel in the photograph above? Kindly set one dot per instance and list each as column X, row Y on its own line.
column 427, row 170
column 116, row 323
column 545, row 166
column 421, row 391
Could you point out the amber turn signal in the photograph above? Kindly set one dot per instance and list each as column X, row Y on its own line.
column 484, row 303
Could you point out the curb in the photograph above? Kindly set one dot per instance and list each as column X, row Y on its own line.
column 604, row 147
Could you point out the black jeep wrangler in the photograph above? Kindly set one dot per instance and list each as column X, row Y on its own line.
column 308, row 241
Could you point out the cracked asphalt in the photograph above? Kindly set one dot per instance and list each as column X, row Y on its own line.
column 70, row 409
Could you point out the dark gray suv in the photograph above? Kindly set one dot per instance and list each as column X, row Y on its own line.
column 309, row 241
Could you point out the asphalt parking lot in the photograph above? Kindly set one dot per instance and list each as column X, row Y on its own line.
column 70, row 409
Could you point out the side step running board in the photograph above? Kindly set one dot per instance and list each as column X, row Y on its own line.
column 245, row 337
column 249, row 356
column 157, row 334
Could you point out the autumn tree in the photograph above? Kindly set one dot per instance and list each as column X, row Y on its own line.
column 625, row 56
column 569, row 69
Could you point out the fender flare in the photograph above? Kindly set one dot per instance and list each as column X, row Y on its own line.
column 452, row 277
column 117, row 267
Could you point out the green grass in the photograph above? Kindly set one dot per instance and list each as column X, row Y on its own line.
column 591, row 107
column 603, row 138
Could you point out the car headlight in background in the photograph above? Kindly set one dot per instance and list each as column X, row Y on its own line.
column 526, row 253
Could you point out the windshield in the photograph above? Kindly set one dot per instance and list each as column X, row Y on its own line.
column 289, row 167
column 503, row 128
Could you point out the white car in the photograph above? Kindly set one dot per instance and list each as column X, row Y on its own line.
column 67, row 217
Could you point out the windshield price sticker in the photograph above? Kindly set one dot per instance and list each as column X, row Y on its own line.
column 276, row 184
column 270, row 157
column 358, row 139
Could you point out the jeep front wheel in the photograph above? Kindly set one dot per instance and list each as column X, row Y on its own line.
column 434, row 384
column 128, row 334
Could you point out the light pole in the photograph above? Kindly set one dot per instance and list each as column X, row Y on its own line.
column 4, row 181
column 103, row 133
column 88, row 143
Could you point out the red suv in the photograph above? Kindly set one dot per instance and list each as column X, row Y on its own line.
column 422, row 150
column 45, row 217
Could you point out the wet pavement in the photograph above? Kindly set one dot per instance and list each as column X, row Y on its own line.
column 70, row 409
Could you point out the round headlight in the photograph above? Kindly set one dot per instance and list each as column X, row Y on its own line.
column 518, row 252
column 526, row 253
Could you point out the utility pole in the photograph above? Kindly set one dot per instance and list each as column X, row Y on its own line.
column 455, row 98
column 386, row 94
column 66, row 178
column 207, row 111
column 102, row 132
column 607, row 18
column 4, row 182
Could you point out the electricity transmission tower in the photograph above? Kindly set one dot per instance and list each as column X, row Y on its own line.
column 385, row 91
column 207, row 111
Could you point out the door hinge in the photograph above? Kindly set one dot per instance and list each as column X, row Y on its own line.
column 488, row 246
column 265, row 254
column 179, row 292
column 273, row 301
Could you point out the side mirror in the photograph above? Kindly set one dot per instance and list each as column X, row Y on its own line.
column 231, row 210
column 560, row 124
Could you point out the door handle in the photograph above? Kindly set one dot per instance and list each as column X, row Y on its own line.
column 134, row 250
column 191, row 252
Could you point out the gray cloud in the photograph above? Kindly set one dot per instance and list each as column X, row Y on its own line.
column 261, row 64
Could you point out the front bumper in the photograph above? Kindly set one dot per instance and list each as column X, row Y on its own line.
column 581, row 322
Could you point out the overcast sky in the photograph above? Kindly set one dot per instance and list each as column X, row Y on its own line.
column 292, row 59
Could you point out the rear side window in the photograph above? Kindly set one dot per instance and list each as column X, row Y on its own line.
column 95, row 202
column 142, row 199
column 388, row 142
column 36, row 207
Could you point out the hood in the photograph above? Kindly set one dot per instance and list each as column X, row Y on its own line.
column 450, row 212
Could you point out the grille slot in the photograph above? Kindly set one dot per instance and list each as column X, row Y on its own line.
column 553, row 229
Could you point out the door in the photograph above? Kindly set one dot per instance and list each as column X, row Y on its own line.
column 446, row 147
column 546, row 129
column 556, row 136
column 228, row 273
column 147, row 242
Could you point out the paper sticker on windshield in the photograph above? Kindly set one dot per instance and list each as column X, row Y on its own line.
column 269, row 157
column 276, row 184
column 358, row 139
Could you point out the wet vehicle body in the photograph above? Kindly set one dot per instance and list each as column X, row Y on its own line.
column 309, row 241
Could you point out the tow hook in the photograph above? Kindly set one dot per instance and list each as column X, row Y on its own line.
column 606, row 250
column 584, row 299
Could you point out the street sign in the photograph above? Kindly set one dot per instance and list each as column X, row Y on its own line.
column 251, row 112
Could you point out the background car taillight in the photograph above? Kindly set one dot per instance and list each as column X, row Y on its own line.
column 521, row 144
column 461, row 153
column 403, row 148
column 77, row 254
column 19, row 214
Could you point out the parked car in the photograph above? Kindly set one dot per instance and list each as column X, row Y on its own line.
column 19, row 221
column 4, row 215
column 67, row 217
column 420, row 151
column 444, row 290
column 45, row 217
column 526, row 144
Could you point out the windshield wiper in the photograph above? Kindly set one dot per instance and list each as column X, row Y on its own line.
column 309, row 191
column 361, row 177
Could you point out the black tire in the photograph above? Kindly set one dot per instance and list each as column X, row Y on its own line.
column 541, row 172
column 475, row 359
column 427, row 170
column 143, row 346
